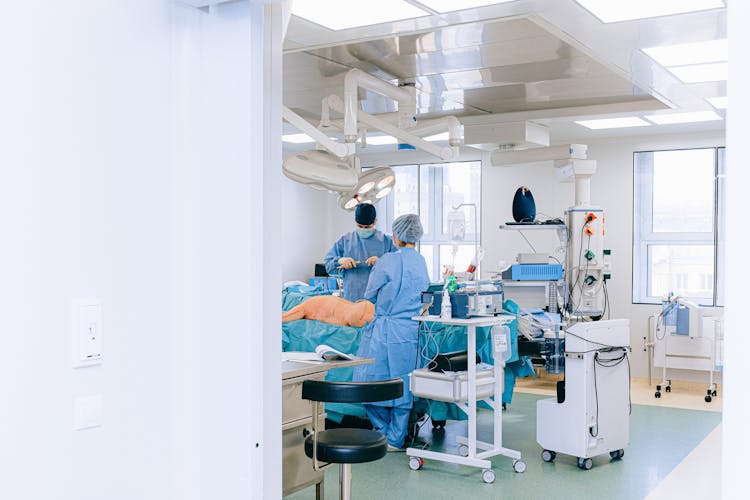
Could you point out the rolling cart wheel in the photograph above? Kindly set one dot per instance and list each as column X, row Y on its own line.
column 708, row 399
column 488, row 476
column 585, row 463
column 617, row 454
column 463, row 450
column 548, row 456
column 519, row 466
column 668, row 388
column 415, row 463
column 713, row 393
column 657, row 394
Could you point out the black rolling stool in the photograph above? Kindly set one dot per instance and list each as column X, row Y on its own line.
column 347, row 446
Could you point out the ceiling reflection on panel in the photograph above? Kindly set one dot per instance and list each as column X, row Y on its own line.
column 493, row 67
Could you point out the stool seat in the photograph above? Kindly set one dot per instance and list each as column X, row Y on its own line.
column 348, row 446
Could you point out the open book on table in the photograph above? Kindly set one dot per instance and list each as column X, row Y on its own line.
column 322, row 353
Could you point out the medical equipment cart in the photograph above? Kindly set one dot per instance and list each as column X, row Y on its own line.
column 680, row 351
column 469, row 444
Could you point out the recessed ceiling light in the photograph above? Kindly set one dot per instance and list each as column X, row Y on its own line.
column 451, row 5
column 696, row 73
column 718, row 102
column 690, row 53
column 612, row 11
column 628, row 121
column 381, row 140
column 297, row 138
column 697, row 116
column 437, row 137
column 345, row 14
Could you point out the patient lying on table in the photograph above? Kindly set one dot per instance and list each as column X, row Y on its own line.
column 333, row 310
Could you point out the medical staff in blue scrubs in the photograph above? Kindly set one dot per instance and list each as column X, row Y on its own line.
column 356, row 252
column 396, row 285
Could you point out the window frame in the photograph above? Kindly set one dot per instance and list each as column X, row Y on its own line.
column 644, row 236
column 435, row 236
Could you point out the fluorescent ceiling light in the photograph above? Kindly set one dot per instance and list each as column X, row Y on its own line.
column 345, row 14
column 297, row 138
column 698, row 116
column 718, row 102
column 612, row 11
column 696, row 73
column 690, row 53
column 381, row 140
column 437, row 137
column 451, row 5
column 628, row 121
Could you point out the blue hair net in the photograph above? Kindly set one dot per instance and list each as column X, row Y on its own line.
column 408, row 228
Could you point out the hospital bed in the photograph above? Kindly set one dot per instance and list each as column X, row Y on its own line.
column 306, row 335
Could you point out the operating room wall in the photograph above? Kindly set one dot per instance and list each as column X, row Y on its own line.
column 305, row 229
column 85, row 200
column 612, row 189
column 128, row 174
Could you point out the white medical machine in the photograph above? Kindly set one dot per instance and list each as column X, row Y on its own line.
column 591, row 414
column 688, row 337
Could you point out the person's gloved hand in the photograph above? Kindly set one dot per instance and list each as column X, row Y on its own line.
column 347, row 262
column 371, row 261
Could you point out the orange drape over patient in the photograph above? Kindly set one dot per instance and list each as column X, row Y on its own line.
column 334, row 310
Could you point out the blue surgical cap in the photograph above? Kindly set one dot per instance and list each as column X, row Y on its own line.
column 408, row 228
column 365, row 214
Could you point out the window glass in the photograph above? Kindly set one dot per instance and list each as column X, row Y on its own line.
column 683, row 192
column 457, row 257
column 682, row 270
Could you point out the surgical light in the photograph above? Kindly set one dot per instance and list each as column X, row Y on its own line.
column 366, row 187
column 611, row 11
column 345, row 14
column 320, row 170
column 628, row 121
column 374, row 184
column 387, row 181
column 383, row 193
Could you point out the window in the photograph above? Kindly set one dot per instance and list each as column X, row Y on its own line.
column 678, row 225
column 432, row 190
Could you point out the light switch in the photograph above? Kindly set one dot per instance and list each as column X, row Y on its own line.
column 87, row 412
column 86, row 324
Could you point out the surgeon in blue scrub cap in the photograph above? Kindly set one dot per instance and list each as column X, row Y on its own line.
column 395, row 287
column 356, row 252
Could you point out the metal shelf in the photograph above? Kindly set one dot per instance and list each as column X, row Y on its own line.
column 531, row 227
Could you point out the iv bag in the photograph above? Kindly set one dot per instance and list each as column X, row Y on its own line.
column 456, row 225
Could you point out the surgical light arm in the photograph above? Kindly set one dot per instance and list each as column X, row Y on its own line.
column 341, row 150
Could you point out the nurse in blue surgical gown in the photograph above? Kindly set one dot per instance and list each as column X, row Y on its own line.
column 356, row 252
column 395, row 286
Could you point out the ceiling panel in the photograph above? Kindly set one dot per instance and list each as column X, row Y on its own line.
column 501, row 66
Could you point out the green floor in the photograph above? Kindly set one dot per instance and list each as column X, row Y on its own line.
column 660, row 439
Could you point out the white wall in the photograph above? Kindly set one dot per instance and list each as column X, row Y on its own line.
column 305, row 226
column 612, row 189
column 86, row 201
column 127, row 173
